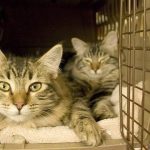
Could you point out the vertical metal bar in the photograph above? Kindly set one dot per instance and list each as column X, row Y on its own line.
column 120, row 65
column 129, row 72
column 143, row 73
column 133, row 71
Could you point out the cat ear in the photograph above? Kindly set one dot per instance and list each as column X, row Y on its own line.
column 110, row 43
column 3, row 58
column 79, row 46
column 51, row 60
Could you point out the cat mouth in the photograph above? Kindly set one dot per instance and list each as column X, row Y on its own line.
column 19, row 113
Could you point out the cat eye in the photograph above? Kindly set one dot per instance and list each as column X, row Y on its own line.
column 34, row 87
column 88, row 60
column 4, row 86
column 103, row 59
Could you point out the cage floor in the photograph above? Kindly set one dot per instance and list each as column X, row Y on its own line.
column 115, row 144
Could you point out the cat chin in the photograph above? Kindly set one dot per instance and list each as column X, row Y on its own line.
column 19, row 118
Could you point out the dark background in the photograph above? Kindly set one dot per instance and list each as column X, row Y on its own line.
column 31, row 26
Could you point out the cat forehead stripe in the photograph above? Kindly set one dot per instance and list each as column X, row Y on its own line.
column 95, row 50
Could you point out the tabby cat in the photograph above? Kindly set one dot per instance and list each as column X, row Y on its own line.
column 30, row 91
column 94, row 71
column 33, row 93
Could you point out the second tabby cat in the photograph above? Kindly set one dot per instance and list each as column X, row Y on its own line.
column 94, row 71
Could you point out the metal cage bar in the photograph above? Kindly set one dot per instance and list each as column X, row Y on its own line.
column 134, row 42
column 107, row 18
column 134, row 37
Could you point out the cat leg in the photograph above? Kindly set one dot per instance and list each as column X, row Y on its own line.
column 84, row 124
column 103, row 109
column 4, row 122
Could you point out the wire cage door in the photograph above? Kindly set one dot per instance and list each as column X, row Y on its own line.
column 135, row 73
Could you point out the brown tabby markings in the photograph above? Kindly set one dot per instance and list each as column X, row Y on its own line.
column 30, row 91
column 35, row 94
column 95, row 70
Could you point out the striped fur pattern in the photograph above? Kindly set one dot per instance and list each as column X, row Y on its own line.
column 94, row 70
column 84, row 124
column 31, row 91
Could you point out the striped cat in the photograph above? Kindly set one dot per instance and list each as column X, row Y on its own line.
column 94, row 72
column 33, row 93
column 30, row 91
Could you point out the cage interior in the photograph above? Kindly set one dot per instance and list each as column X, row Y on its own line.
column 33, row 26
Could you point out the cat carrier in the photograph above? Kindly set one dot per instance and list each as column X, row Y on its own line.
column 33, row 26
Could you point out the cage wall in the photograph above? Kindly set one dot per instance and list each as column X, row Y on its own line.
column 107, row 18
column 135, row 72
column 130, row 18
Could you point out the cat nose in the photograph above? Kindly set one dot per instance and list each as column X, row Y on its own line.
column 95, row 68
column 95, row 71
column 19, row 105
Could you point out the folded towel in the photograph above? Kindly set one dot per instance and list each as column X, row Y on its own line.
column 59, row 134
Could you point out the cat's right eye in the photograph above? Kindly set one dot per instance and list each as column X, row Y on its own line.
column 4, row 86
column 34, row 87
column 88, row 60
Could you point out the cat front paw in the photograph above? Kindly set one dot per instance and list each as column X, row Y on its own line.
column 103, row 111
column 89, row 132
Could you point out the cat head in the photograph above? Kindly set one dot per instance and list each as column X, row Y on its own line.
column 93, row 59
column 26, row 85
column 109, row 45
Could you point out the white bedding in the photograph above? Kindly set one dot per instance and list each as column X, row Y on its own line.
column 57, row 134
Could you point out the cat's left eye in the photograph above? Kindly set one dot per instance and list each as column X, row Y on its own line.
column 88, row 60
column 34, row 87
column 4, row 86
column 103, row 59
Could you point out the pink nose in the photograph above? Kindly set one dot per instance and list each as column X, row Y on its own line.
column 19, row 105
